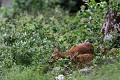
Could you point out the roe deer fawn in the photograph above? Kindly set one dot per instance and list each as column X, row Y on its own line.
column 83, row 48
column 81, row 53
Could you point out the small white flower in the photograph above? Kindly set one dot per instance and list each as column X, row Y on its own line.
column 60, row 77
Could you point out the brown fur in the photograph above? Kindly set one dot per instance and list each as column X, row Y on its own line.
column 83, row 48
column 80, row 52
column 85, row 58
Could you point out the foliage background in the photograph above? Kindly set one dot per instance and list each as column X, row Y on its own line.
column 30, row 29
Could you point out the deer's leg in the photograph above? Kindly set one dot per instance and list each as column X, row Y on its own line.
column 73, row 57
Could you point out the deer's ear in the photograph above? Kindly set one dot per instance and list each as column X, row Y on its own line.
column 56, row 50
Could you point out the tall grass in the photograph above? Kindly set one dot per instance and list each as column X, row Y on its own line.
column 105, row 72
column 25, row 73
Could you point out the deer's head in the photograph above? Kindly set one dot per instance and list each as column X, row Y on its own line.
column 55, row 56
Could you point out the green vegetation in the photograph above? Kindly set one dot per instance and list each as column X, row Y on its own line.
column 28, row 35
column 108, row 72
column 22, row 73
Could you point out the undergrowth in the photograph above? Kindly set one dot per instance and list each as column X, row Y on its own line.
column 27, row 41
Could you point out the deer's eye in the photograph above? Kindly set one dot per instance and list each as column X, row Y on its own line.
column 52, row 57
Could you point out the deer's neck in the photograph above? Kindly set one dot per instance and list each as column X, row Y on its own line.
column 63, row 54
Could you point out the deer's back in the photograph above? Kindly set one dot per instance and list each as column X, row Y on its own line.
column 83, row 48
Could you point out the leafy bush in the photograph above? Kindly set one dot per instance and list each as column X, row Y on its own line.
column 29, row 39
column 31, row 5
